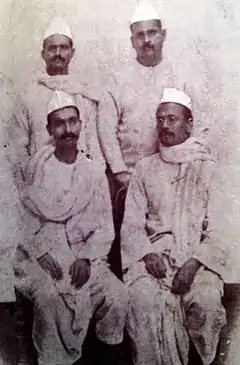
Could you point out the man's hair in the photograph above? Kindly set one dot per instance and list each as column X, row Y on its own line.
column 70, row 42
column 70, row 106
column 187, row 112
column 158, row 21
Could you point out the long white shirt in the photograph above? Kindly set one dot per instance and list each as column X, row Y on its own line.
column 127, row 114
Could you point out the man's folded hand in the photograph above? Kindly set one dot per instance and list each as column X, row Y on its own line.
column 80, row 272
column 155, row 265
column 184, row 277
column 123, row 178
column 50, row 266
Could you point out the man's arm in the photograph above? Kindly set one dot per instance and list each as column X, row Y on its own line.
column 109, row 117
column 134, row 240
column 21, row 130
column 92, row 138
column 223, row 223
column 96, row 223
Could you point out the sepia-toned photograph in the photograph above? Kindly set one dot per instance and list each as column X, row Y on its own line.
column 120, row 182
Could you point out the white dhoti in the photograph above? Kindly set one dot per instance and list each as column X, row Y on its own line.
column 161, row 324
column 61, row 320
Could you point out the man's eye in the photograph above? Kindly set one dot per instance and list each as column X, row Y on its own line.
column 58, row 123
column 140, row 35
column 152, row 32
column 73, row 121
column 172, row 118
column 160, row 120
column 64, row 47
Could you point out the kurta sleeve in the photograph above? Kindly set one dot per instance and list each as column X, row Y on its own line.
column 21, row 131
column 215, row 250
column 92, row 138
column 96, row 223
column 134, row 240
column 109, row 117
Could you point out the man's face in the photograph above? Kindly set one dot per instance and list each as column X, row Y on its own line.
column 147, row 39
column 57, row 53
column 174, row 124
column 64, row 126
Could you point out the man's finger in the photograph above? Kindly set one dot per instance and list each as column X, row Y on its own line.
column 58, row 271
column 79, row 280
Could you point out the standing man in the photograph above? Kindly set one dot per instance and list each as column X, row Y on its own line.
column 62, row 264
column 172, row 252
column 57, row 53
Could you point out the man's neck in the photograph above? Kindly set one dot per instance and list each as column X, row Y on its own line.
column 68, row 156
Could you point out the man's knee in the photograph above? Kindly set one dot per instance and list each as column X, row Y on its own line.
column 47, row 298
column 204, row 305
column 142, row 295
column 117, row 297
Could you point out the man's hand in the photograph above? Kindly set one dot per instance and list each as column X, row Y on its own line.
column 80, row 272
column 50, row 266
column 155, row 265
column 184, row 277
column 123, row 178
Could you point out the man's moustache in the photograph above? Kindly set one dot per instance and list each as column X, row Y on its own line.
column 58, row 58
column 68, row 136
column 166, row 133
column 148, row 46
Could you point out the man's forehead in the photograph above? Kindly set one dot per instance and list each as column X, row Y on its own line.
column 65, row 113
column 170, row 108
column 145, row 25
column 57, row 39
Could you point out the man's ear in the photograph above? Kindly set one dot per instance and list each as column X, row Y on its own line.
column 73, row 52
column 164, row 34
column 132, row 42
column 189, row 125
column 49, row 129
column 43, row 54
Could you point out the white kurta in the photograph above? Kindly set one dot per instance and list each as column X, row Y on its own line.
column 160, row 322
column 31, row 114
column 10, row 232
column 127, row 114
column 81, row 228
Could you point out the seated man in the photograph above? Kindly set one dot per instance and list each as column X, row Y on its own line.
column 62, row 267
column 171, row 266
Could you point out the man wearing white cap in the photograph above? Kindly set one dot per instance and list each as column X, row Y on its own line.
column 57, row 53
column 173, row 265
column 62, row 266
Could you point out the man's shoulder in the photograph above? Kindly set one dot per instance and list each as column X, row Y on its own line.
column 148, row 164
column 91, row 166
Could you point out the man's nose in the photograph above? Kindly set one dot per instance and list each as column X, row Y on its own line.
column 165, row 123
column 67, row 127
column 57, row 51
column 146, row 38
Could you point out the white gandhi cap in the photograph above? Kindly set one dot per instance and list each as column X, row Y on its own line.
column 144, row 11
column 60, row 100
column 172, row 95
column 57, row 26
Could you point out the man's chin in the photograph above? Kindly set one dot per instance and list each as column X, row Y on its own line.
column 165, row 142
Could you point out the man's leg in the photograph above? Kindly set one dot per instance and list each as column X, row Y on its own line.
column 118, row 195
column 110, row 304
column 205, row 314
column 58, row 334
column 155, row 325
